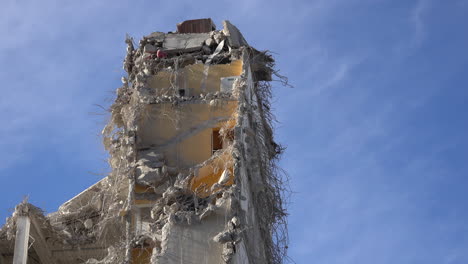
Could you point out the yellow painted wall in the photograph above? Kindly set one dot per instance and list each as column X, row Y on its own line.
column 161, row 123
column 158, row 126
column 193, row 77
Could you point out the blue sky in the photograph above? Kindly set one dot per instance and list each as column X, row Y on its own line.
column 375, row 126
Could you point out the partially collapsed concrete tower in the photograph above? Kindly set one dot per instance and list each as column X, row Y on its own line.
column 193, row 163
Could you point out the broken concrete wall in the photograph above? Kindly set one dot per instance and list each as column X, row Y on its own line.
column 184, row 42
column 184, row 135
column 193, row 244
column 260, row 182
column 246, row 170
column 201, row 82
column 235, row 38
column 193, row 160
column 168, row 107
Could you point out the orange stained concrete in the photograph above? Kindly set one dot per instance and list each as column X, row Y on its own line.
column 209, row 174
column 141, row 255
column 143, row 202
column 142, row 189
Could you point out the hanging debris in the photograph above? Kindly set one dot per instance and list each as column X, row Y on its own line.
column 194, row 176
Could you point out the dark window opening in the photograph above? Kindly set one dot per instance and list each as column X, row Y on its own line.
column 182, row 92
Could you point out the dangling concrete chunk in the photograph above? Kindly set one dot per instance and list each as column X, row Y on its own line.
column 235, row 38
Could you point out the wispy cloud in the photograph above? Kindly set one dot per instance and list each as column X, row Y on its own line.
column 46, row 64
column 417, row 23
column 336, row 74
column 416, row 28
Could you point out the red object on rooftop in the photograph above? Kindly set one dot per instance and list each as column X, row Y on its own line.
column 203, row 25
column 161, row 54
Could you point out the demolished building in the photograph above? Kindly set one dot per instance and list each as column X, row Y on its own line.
column 194, row 176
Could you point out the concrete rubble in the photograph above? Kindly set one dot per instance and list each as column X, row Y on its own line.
column 194, row 176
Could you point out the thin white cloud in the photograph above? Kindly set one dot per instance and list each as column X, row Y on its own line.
column 330, row 72
column 41, row 90
column 417, row 30
column 336, row 78
column 417, row 23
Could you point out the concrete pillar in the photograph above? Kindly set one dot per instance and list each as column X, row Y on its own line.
column 21, row 241
column 138, row 224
